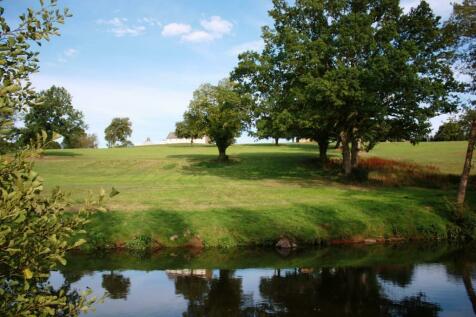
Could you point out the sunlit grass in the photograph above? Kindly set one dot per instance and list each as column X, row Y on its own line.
column 264, row 192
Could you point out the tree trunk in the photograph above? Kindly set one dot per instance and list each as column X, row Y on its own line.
column 468, row 285
column 323, row 142
column 276, row 141
column 323, row 152
column 346, row 157
column 354, row 160
column 222, row 154
column 467, row 165
column 191, row 141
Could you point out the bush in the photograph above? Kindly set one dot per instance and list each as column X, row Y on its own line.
column 34, row 237
column 139, row 243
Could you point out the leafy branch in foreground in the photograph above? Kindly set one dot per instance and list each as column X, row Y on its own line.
column 35, row 234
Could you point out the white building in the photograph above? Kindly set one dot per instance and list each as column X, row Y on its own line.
column 173, row 139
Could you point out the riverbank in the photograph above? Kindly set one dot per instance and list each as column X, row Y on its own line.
column 178, row 196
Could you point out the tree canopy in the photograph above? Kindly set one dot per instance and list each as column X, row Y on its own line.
column 118, row 132
column 218, row 112
column 354, row 71
column 54, row 113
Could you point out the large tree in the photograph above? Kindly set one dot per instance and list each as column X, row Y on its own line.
column 464, row 21
column 54, row 113
column 221, row 112
column 355, row 70
column 118, row 132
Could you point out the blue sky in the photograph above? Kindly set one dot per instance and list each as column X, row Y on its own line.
column 143, row 59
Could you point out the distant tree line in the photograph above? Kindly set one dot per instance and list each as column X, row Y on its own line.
column 53, row 113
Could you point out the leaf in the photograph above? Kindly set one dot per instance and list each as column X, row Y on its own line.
column 44, row 135
column 79, row 243
column 60, row 260
column 27, row 273
column 20, row 218
column 114, row 192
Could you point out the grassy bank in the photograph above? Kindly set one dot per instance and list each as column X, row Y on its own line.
column 170, row 194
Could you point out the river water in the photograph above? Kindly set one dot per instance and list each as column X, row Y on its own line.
column 391, row 280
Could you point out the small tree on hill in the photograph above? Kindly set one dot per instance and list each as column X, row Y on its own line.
column 190, row 128
column 220, row 110
column 118, row 132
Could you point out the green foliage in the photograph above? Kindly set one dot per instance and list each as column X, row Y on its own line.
column 357, row 72
column 452, row 130
column 462, row 20
column 18, row 60
column 191, row 127
column 34, row 237
column 82, row 141
column 139, row 243
column 218, row 112
column 54, row 113
column 118, row 132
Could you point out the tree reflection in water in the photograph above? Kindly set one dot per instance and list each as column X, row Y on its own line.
column 298, row 292
column 116, row 285
column 325, row 290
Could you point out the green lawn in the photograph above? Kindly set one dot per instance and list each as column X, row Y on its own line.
column 264, row 193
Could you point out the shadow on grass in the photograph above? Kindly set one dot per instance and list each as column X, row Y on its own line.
column 351, row 214
column 257, row 166
column 62, row 153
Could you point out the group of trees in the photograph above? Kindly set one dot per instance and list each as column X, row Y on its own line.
column 53, row 113
column 345, row 71
column 455, row 129
column 356, row 72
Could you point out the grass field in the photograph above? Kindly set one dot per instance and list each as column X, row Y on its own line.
column 264, row 193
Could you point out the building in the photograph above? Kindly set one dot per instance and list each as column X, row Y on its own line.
column 173, row 139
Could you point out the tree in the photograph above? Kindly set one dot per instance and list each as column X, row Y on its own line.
column 190, row 128
column 53, row 114
column 354, row 71
column 463, row 18
column 221, row 111
column 81, row 140
column 118, row 132
column 452, row 130
column 29, row 219
column 471, row 116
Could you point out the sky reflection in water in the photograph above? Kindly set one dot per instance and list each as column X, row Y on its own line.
column 437, row 281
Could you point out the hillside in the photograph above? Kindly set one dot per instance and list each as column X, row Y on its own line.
column 265, row 192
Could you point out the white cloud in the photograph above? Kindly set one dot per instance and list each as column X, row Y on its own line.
column 247, row 46
column 213, row 28
column 217, row 26
column 71, row 52
column 198, row 37
column 149, row 21
column 174, row 29
column 120, row 28
column 66, row 55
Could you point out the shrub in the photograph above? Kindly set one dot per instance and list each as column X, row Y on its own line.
column 34, row 237
column 139, row 243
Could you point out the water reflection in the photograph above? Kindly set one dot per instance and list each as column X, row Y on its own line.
column 436, row 281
